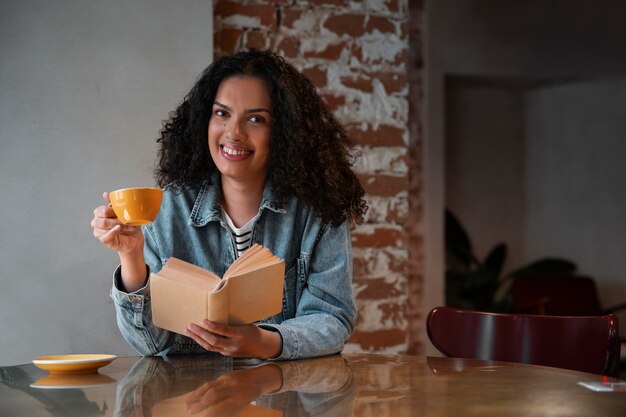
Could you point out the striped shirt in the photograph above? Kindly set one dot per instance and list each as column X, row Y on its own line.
column 242, row 235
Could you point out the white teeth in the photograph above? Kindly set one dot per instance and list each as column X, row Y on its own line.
column 235, row 152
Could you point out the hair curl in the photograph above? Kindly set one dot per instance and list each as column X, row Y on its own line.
column 311, row 156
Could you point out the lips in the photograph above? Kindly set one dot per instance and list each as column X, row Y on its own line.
column 234, row 152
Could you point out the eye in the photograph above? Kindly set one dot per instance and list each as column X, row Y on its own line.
column 255, row 118
column 220, row 113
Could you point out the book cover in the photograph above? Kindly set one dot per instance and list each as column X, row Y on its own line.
column 251, row 290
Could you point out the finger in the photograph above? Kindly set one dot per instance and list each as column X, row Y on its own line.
column 219, row 329
column 193, row 402
column 110, row 236
column 222, row 337
column 104, row 223
column 104, row 211
column 197, row 334
column 129, row 230
column 203, row 398
column 106, row 197
column 213, row 342
column 102, row 227
column 109, row 212
column 195, row 395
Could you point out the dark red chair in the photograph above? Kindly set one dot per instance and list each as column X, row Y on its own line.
column 589, row 344
column 561, row 295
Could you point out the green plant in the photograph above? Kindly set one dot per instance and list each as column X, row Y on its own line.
column 479, row 285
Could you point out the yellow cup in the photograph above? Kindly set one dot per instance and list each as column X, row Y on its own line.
column 136, row 206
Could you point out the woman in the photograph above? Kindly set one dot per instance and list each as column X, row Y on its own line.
column 252, row 155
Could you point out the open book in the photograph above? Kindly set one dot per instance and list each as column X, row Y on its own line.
column 251, row 290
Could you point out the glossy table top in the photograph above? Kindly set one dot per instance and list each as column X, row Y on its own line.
column 341, row 385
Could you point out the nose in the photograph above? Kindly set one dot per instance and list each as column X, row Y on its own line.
column 235, row 130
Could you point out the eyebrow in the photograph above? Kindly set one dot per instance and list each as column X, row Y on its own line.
column 254, row 110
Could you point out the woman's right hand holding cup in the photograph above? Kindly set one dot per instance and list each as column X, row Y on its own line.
column 127, row 240
column 109, row 230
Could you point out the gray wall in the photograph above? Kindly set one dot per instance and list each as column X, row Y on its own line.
column 576, row 180
column 485, row 166
column 84, row 86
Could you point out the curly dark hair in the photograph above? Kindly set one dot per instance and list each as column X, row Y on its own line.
column 311, row 156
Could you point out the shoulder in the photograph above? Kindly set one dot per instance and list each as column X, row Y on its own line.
column 181, row 200
column 173, row 192
column 306, row 221
column 178, row 197
column 295, row 208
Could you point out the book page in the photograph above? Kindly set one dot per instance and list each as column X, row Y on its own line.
column 257, row 265
column 189, row 274
column 256, row 257
column 243, row 259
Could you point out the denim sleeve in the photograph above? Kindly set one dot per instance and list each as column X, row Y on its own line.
column 134, row 318
column 134, row 313
column 326, row 313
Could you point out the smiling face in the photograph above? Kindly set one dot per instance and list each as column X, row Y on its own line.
column 239, row 129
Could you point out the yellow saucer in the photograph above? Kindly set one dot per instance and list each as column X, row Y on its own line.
column 73, row 364
column 67, row 381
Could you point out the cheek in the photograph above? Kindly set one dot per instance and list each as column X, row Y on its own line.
column 213, row 132
column 264, row 142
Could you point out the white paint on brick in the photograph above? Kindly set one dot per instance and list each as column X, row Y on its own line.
column 380, row 96
column 405, row 134
column 306, row 23
column 334, row 73
column 354, row 62
column 379, row 6
column 377, row 46
column 361, row 107
column 380, row 208
column 317, row 43
column 370, row 229
column 373, row 319
column 243, row 21
column 378, row 261
column 385, row 160
column 376, row 110
column 344, row 59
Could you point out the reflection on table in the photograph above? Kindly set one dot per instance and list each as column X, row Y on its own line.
column 339, row 385
column 186, row 386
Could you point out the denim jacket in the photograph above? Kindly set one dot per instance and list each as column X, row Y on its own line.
column 318, row 311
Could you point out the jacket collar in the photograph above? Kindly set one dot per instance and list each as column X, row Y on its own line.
column 208, row 207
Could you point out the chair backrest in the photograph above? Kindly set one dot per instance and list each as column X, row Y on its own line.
column 556, row 295
column 589, row 344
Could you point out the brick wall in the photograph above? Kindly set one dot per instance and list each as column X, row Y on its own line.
column 357, row 54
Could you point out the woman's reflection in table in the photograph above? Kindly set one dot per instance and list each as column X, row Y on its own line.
column 181, row 386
